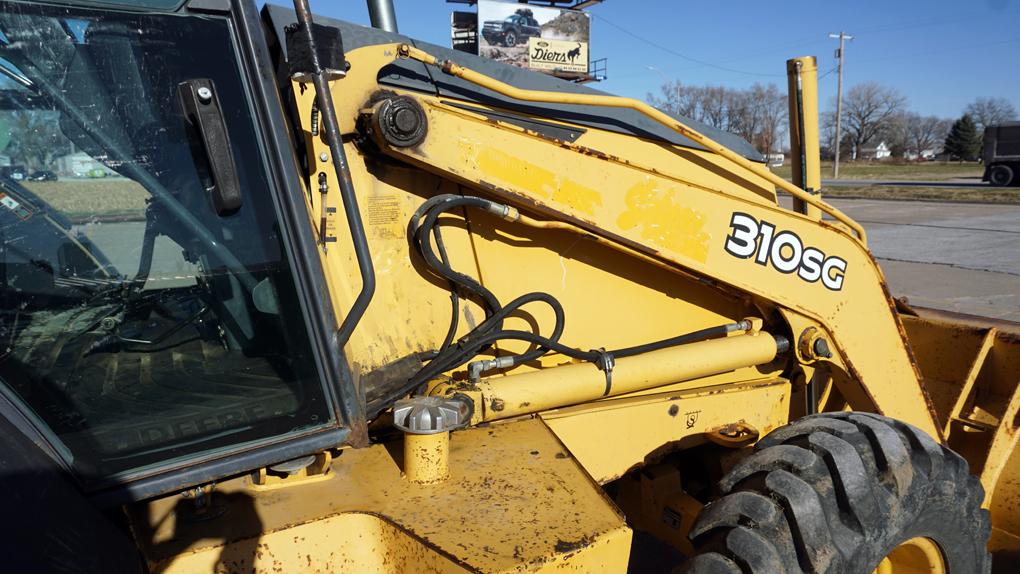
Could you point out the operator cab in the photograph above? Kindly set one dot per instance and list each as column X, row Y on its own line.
column 150, row 322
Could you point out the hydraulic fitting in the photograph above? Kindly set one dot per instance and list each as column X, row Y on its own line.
column 477, row 368
column 427, row 422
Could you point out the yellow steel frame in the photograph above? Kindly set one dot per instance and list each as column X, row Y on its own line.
column 515, row 501
column 659, row 212
column 633, row 229
column 453, row 69
column 804, row 145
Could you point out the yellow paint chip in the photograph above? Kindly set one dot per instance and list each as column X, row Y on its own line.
column 577, row 196
column 664, row 222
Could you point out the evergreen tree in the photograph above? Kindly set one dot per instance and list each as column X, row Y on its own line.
column 963, row 141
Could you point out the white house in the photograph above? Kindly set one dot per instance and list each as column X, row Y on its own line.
column 925, row 154
column 881, row 151
column 78, row 164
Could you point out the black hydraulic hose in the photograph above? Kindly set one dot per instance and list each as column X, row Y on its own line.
column 474, row 342
column 425, row 244
column 692, row 337
column 708, row 333
column 417, row 234
column 324, row 100
column 492, row 323
column 594, row 356
column 490, row 330
column 451, row 332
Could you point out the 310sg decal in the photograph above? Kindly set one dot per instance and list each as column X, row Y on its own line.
column 784, row 251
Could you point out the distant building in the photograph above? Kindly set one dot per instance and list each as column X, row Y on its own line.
column 927, row 155
column 881, row 151
column 78, row 164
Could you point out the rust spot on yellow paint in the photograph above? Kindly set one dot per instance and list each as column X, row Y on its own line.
column 663, row 221
column 513, row 172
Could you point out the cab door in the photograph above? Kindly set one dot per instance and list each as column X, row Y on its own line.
column 161, row 303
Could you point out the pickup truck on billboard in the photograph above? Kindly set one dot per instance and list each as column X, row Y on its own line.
column 512, row 30
column 552, row 40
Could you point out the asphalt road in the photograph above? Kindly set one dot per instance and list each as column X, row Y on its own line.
column 960, row 257
column 957, row 182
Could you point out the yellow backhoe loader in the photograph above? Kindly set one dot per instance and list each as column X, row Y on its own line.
column 305, row 296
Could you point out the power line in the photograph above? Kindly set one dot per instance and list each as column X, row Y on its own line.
column 831, row 70
column 678, row 54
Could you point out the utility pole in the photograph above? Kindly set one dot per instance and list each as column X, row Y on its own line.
column 665, row 83
column 843, row 36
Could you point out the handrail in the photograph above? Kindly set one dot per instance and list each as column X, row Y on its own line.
column 408, row 51
column 324, row 99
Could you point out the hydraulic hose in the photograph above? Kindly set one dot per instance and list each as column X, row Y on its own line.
column 434, row 262
column 423, row 228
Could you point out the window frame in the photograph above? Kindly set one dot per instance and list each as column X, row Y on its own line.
column 283, row 179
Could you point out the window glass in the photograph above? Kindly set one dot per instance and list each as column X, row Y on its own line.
column 136, row 323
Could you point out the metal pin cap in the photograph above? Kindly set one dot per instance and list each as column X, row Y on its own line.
column 430, row 415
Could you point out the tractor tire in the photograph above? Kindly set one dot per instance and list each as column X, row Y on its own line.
column 1000, row 175
column 837, row 493
column 510, row 39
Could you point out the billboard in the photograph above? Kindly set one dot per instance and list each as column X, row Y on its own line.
column 553, row 40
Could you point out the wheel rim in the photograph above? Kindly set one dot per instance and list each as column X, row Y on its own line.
column 915, row 556
column 1000, row 177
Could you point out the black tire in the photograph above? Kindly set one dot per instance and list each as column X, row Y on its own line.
column 835, row 493
column 510, row 39
column 1000, row 175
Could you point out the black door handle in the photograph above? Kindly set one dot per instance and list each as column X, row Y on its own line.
column 202, row 112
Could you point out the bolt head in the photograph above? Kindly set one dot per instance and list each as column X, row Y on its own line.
column 405, row 120
column 204, row 95
column 821, row 349
column 323, row 156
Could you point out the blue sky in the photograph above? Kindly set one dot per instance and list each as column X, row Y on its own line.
column 941, row 54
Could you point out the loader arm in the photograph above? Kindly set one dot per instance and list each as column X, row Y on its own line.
column 690, row 210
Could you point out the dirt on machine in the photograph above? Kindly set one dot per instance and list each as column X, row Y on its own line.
column 348, row 302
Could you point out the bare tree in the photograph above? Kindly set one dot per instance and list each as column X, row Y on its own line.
column 36, row 139
column 868, row 110
column 744, row 114
column 925, row 133
column 990, row 111
column 896, row 136
column 713, row 106
column 679, row 99
column 757, row 114
column 772, row 107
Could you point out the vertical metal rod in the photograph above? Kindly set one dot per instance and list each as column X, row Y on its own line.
column 324, row 99
column 802, row 74
column 381, row 13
